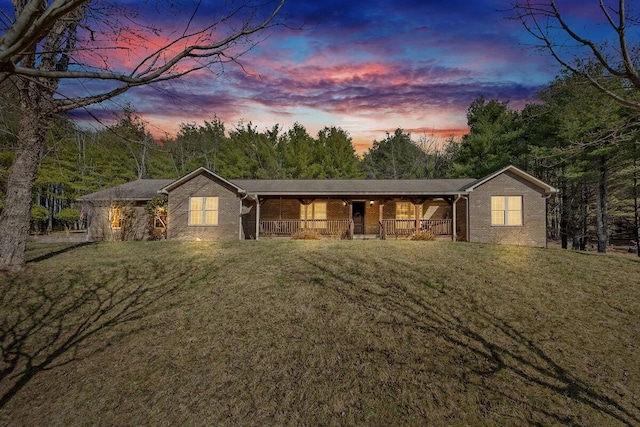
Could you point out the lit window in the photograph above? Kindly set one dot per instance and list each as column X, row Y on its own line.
column 407, row 211
column 506, row 210
column 404, row 210
column 315, row 211
column 160, row 218
column 203, row 211
column 115, row 217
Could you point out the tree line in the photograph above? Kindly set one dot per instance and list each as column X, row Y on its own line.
column 586, row 149
column 77, row 161
column 573, row 137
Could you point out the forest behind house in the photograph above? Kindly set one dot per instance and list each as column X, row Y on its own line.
column 573, row 138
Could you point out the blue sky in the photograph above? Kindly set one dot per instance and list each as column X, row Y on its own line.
column 365, row 66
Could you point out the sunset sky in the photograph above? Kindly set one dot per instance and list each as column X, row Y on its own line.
column 367, row 66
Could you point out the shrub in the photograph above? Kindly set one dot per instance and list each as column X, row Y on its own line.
column 423, row 235
column 67, row 216
column 39, row 213
column 306, row 235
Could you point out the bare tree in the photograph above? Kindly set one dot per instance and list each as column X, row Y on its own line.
column 613, row 58
column 578, row 51
column 49, row 42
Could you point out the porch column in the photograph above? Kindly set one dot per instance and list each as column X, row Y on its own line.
column 380, row 215
column 350, row 203
column 239, row 220
column 416, row 213
column 455, row 219
column 257, row 217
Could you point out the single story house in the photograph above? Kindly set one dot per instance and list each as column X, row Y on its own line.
column 507, row 206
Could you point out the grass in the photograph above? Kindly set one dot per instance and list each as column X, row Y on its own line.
column 304, row 332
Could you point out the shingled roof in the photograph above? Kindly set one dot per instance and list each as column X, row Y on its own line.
column 333, row 187
column 352, row 187
column 146, row 189
column 140, row 190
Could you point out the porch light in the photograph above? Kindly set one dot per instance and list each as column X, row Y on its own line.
column 370, row 202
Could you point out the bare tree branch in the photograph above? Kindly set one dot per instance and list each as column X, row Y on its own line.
column 541, row 20
column 52, row 41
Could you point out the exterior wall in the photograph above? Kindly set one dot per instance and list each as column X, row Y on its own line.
column 280, row 209
column 461, row 217
column 136, row 227
column 371, row 220
column 432, row 209
column 290, row 209
column 229, row 218
column 533, row 229
column 436, row 209
column 248, row 219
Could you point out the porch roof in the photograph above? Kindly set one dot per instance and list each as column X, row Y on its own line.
column 353, row 187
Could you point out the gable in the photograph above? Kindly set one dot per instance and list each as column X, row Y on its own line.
column 203, row 173
column 508, row 183
column 515, row 174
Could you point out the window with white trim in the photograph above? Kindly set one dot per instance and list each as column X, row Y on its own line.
column 203, row 211
column 506, row 210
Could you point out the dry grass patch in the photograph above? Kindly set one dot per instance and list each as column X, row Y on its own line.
column 423, row 235
column 322, row 332
column 306, row 235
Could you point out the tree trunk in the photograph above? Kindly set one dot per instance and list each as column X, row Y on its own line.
column 601, row 207
column 15, row 218
column 574, row 228
column 564, row 216
column 584, row 218
column 636, row 214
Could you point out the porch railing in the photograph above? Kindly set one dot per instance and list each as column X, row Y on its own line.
column 406, row 227
column 341, row 227
column 288, row 227
column 437, row 227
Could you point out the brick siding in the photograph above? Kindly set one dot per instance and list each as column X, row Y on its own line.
column 138, row 226
column 287, row 208
column 533, row 230
column 229, row 218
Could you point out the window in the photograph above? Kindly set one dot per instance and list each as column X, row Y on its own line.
column 407, row 211
column 160, row 218
column 203, row 211
column 115, row 217
column 315, row 211
column 506, row 210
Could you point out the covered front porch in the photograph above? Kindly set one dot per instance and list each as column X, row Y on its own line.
column 344, row 218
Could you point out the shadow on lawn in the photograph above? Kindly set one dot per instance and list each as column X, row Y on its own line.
column 496, row 344
column 58, row 252
column 44, row 327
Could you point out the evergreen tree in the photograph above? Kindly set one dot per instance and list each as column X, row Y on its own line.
column 493, row 142
column 297, row 151
column 334, row 152
column 395, row 157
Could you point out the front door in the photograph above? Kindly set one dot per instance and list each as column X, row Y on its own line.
column 358, row 217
